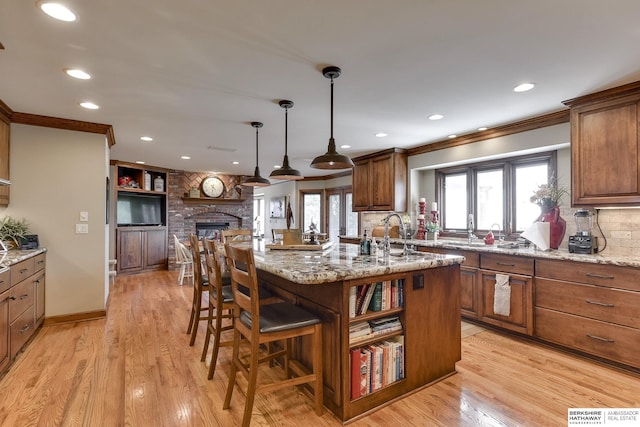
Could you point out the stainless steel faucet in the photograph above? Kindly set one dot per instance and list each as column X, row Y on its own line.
column 470, row 228
column 386, row 246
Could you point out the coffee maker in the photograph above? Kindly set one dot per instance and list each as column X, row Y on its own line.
column 583, row 242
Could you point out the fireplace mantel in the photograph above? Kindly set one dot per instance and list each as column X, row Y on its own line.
column 209, row 201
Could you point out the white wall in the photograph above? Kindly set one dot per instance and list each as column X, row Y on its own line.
column 55, row 174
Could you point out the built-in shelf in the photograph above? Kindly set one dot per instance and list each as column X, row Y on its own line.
column 210, row 200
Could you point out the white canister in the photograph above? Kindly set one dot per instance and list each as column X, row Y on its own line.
column 158, row 184
column 147, row 181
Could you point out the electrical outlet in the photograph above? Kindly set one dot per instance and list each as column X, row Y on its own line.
column 82, row 228
column 84, row 216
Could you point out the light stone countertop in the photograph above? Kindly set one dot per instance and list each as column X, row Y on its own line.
column 342, row 262
column 14, row 256
column 559, row 254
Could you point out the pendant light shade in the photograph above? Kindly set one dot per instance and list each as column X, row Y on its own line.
column 256, row 180
column 332, row 159
column 286, row 172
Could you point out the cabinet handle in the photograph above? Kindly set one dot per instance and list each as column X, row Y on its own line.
column 1, row 282
column 603, row 304
column 599, row 276
column 13, row 298
column 23, row 270
column 40, row 262
column 24, row 296
column 24, row 329
column 506, row 264
column 595, row 337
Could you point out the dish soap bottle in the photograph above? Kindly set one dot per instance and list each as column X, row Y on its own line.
column 365, row 245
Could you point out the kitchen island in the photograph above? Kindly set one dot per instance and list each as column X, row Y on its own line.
column 421, row 294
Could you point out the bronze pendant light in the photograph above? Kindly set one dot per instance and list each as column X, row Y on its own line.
column 256, row 180
column 286, row 172
column 332, row 159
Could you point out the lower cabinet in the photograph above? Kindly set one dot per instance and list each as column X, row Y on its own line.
column 4, row 330
column 141, row 248
column 520, row 317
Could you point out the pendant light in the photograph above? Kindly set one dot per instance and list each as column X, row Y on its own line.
column 256, row 180
column 332, row 159
column 286, row 172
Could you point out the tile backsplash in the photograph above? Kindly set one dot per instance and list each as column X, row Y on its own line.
column 620, row 228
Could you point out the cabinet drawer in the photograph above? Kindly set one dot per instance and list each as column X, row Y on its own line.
column 593, row 274
column 21, row 329
column 21, row 296
column 472, row 259
column 22, row 270
column 613, row 342
column 39, row 261
column 5, row 280
column 606, row 304
column 507, row 264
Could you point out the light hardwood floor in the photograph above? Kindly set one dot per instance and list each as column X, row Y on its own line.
column 135, row 368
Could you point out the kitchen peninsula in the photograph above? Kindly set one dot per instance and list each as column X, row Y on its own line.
column 422, row 293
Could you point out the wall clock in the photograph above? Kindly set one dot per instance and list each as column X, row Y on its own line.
column 212, row 186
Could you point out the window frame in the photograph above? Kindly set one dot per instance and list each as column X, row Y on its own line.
column 509, row 166
column 321, row 221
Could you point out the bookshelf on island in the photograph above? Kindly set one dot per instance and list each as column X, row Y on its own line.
column 384, row 335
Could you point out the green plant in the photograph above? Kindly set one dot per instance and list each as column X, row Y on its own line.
column 12, row 229
column 432, row 227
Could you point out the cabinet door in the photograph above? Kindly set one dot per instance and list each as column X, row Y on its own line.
column 520, row 318
column 361, row 186
column 130, row 245
column 604, row 138
column 40, row 300
column 382, row 183
column 155, row 248
column 469, row 292
column 4, row 329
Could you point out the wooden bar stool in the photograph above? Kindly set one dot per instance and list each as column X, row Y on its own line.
column 184, row 260
column 221, row 301
column 200, row 286
column 261, row 324
column 236, row 234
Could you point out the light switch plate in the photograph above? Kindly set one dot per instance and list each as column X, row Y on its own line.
column 82, row 228
column 84, row 216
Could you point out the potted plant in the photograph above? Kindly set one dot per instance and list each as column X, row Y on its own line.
column 12, row 231
column 432, row 229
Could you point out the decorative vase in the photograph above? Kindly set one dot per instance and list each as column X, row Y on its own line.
column 557, row 225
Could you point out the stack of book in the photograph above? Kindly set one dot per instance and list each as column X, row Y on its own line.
column 376, row 366
column 385, row 325
column 376, row 297
column 359, row 332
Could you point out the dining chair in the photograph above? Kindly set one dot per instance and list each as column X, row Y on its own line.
column 200, row 286
column 264, row 324
column 183, row 259
column 235, row 234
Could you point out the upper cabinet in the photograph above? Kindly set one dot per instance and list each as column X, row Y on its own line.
column 605, row 147
column 380, row 181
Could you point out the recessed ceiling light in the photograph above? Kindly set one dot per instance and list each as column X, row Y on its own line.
column 185, row 158
column 345, row 146
column 435, row 117
column 482, row 128
column 77, row 73
column 236, row 163
column 57, row 11
column 140, row 162
column 523, row 87
column 452, row 136
column 146, row 138
column 381, row 135
column 89, row 105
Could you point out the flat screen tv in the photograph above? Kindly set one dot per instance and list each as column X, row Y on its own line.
column 139, row 209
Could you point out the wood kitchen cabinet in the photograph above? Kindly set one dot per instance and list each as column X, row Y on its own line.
column 380, row 181
column 5, row 283
column 604, row 137
column 4, row 160
column 141, row 248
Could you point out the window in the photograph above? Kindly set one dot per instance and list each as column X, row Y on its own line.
column 341, row 220
column 311, row 202
column 494, row 194
column 259, row 217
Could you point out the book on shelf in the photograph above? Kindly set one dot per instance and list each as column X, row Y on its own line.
column 355, row 373
column 376, row 299
column 352, row 301
column 367, row 299
column 376, row 365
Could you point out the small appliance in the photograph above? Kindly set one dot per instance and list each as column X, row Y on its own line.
column 583, row 242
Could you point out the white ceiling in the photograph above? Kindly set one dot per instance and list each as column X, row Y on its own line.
column 193, row 73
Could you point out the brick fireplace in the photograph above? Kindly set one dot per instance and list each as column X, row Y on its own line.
column 233, row 210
